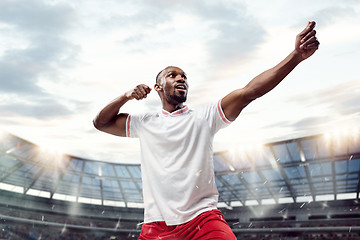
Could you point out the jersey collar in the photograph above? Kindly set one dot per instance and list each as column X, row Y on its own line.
column 177, row 112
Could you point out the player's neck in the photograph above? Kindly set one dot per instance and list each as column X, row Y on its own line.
column 172, row 107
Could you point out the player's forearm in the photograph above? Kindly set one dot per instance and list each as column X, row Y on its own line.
column 110, row 111
column 269, row 79
column 306, row 44
column 110, row 120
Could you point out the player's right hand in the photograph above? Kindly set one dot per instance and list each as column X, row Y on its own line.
column 139, row 92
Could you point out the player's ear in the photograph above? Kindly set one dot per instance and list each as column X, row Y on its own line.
column 158, row 87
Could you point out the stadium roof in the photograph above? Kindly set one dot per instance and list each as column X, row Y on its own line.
column 314, row 168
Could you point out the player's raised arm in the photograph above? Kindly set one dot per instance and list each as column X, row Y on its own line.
column 305, row 45
column 110, row 120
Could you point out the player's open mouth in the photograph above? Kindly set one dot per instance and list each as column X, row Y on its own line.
column 181, row 87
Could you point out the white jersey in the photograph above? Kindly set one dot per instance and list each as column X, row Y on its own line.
column 177, row 161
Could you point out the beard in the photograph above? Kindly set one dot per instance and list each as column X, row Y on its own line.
column 176, row 98
column 179, row 99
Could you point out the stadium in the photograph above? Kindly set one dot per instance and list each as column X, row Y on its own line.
column 286, row 169
column 303, row 188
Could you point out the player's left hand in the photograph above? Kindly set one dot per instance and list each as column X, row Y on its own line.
column 306, row 42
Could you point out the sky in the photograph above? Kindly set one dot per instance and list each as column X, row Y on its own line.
column 62, row 61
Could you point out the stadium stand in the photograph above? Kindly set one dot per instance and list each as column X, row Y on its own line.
column 303, row 188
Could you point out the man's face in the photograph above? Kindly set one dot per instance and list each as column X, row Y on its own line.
column 175, row 86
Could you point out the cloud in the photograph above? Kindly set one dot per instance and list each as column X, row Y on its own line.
column 43, row 27
column 37, row 16
column 310, row 122
column 20, row 71
column 329, row 15
column 324, row 107
column 21, row 68
column 238, row 33
column 41, row 107
column 39, row 110
column 147, row 16
column 230, row 33
column 16, row 78
column 234, row 41
column 343, row 98
column 348, row 105
column 142, row 15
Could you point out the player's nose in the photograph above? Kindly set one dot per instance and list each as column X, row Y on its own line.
column 179, row 78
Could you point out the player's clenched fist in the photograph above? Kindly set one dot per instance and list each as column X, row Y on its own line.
column 306, row 42
column 139, row 92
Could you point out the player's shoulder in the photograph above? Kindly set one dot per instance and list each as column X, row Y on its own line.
column 206, row 106
column 146, row 116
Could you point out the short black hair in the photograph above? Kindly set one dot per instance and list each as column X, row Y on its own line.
column 158, row 75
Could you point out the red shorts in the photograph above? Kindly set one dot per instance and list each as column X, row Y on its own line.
column 208, row 225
